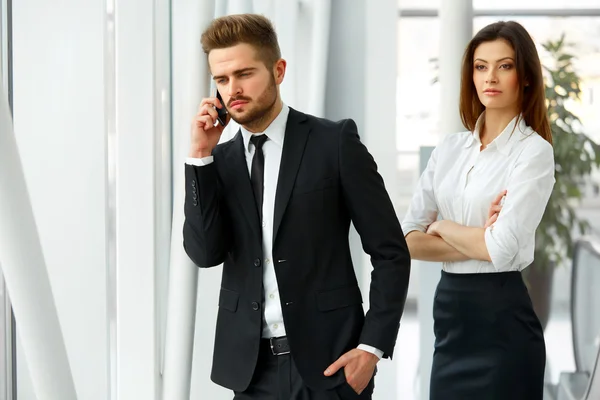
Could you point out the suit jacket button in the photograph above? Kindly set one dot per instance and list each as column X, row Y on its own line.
column 193, row 183
column 255, row 306
column 257, row 262
column 195, row 203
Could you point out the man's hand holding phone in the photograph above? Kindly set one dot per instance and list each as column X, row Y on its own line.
column 205, row 133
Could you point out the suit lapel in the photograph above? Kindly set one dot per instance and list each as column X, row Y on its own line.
column 296, row 134
column 236, row 158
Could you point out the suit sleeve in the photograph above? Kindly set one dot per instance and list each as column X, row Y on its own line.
column 376, row 222
column 206, row 229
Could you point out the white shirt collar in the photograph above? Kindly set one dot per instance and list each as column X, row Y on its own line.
column 275, row 131
column 504, row 141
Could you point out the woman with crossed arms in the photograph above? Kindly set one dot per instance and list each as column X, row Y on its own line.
column 489, row 343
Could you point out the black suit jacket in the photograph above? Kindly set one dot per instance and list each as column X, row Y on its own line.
column 327, row 179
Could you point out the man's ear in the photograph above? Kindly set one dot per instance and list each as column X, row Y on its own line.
column 279, row 70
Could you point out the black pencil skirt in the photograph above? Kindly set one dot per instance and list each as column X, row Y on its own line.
column 489, row 344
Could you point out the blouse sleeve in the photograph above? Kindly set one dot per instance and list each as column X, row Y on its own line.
column 527, row 195
column 423, row 209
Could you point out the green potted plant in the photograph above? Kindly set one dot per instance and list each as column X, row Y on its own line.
column 575, row 156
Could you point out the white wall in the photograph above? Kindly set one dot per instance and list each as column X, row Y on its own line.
column 59, row 123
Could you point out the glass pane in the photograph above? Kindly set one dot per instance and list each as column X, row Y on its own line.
column 417, row 100
column 417, row 97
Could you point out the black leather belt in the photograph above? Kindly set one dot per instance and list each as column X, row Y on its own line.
column 279, row 346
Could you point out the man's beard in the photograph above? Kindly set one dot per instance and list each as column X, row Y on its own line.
column 265, row 104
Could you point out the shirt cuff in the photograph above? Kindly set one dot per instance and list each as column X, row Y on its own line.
column 501, row 259
column 410, row 227
column 199, row 162
column 371, row 350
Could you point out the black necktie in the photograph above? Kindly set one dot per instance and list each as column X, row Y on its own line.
column 257, row 171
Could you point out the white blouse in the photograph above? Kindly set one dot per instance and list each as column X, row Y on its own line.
column 460, row 182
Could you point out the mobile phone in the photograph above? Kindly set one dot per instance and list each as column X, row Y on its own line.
column 221, row 112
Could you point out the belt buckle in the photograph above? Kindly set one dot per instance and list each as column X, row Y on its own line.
column 273, row 348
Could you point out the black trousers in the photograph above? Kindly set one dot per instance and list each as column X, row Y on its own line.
column 276, row 378
column 489, row 344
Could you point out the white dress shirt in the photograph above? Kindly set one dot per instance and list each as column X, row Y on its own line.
column 273, row 325
column 460, row 182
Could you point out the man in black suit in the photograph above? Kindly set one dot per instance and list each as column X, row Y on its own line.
column 274, row 204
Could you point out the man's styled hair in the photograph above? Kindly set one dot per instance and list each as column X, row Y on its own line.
column 253, row 29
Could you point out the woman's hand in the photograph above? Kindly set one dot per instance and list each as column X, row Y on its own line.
column 494, row 210
column 433, row 228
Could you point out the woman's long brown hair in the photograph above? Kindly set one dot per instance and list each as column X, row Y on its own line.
column 532, row 98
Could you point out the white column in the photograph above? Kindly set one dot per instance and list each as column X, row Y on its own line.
column 381, row 60
column 190, row 85
column 456, row 30
column 345, row 86
column 140, row 225
column 319, row 51
column 191, row 318
column 456, row 20
column 285, row 19
column 26, row 276
column 379, row 134
column 361, row 84
column 222, row 8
